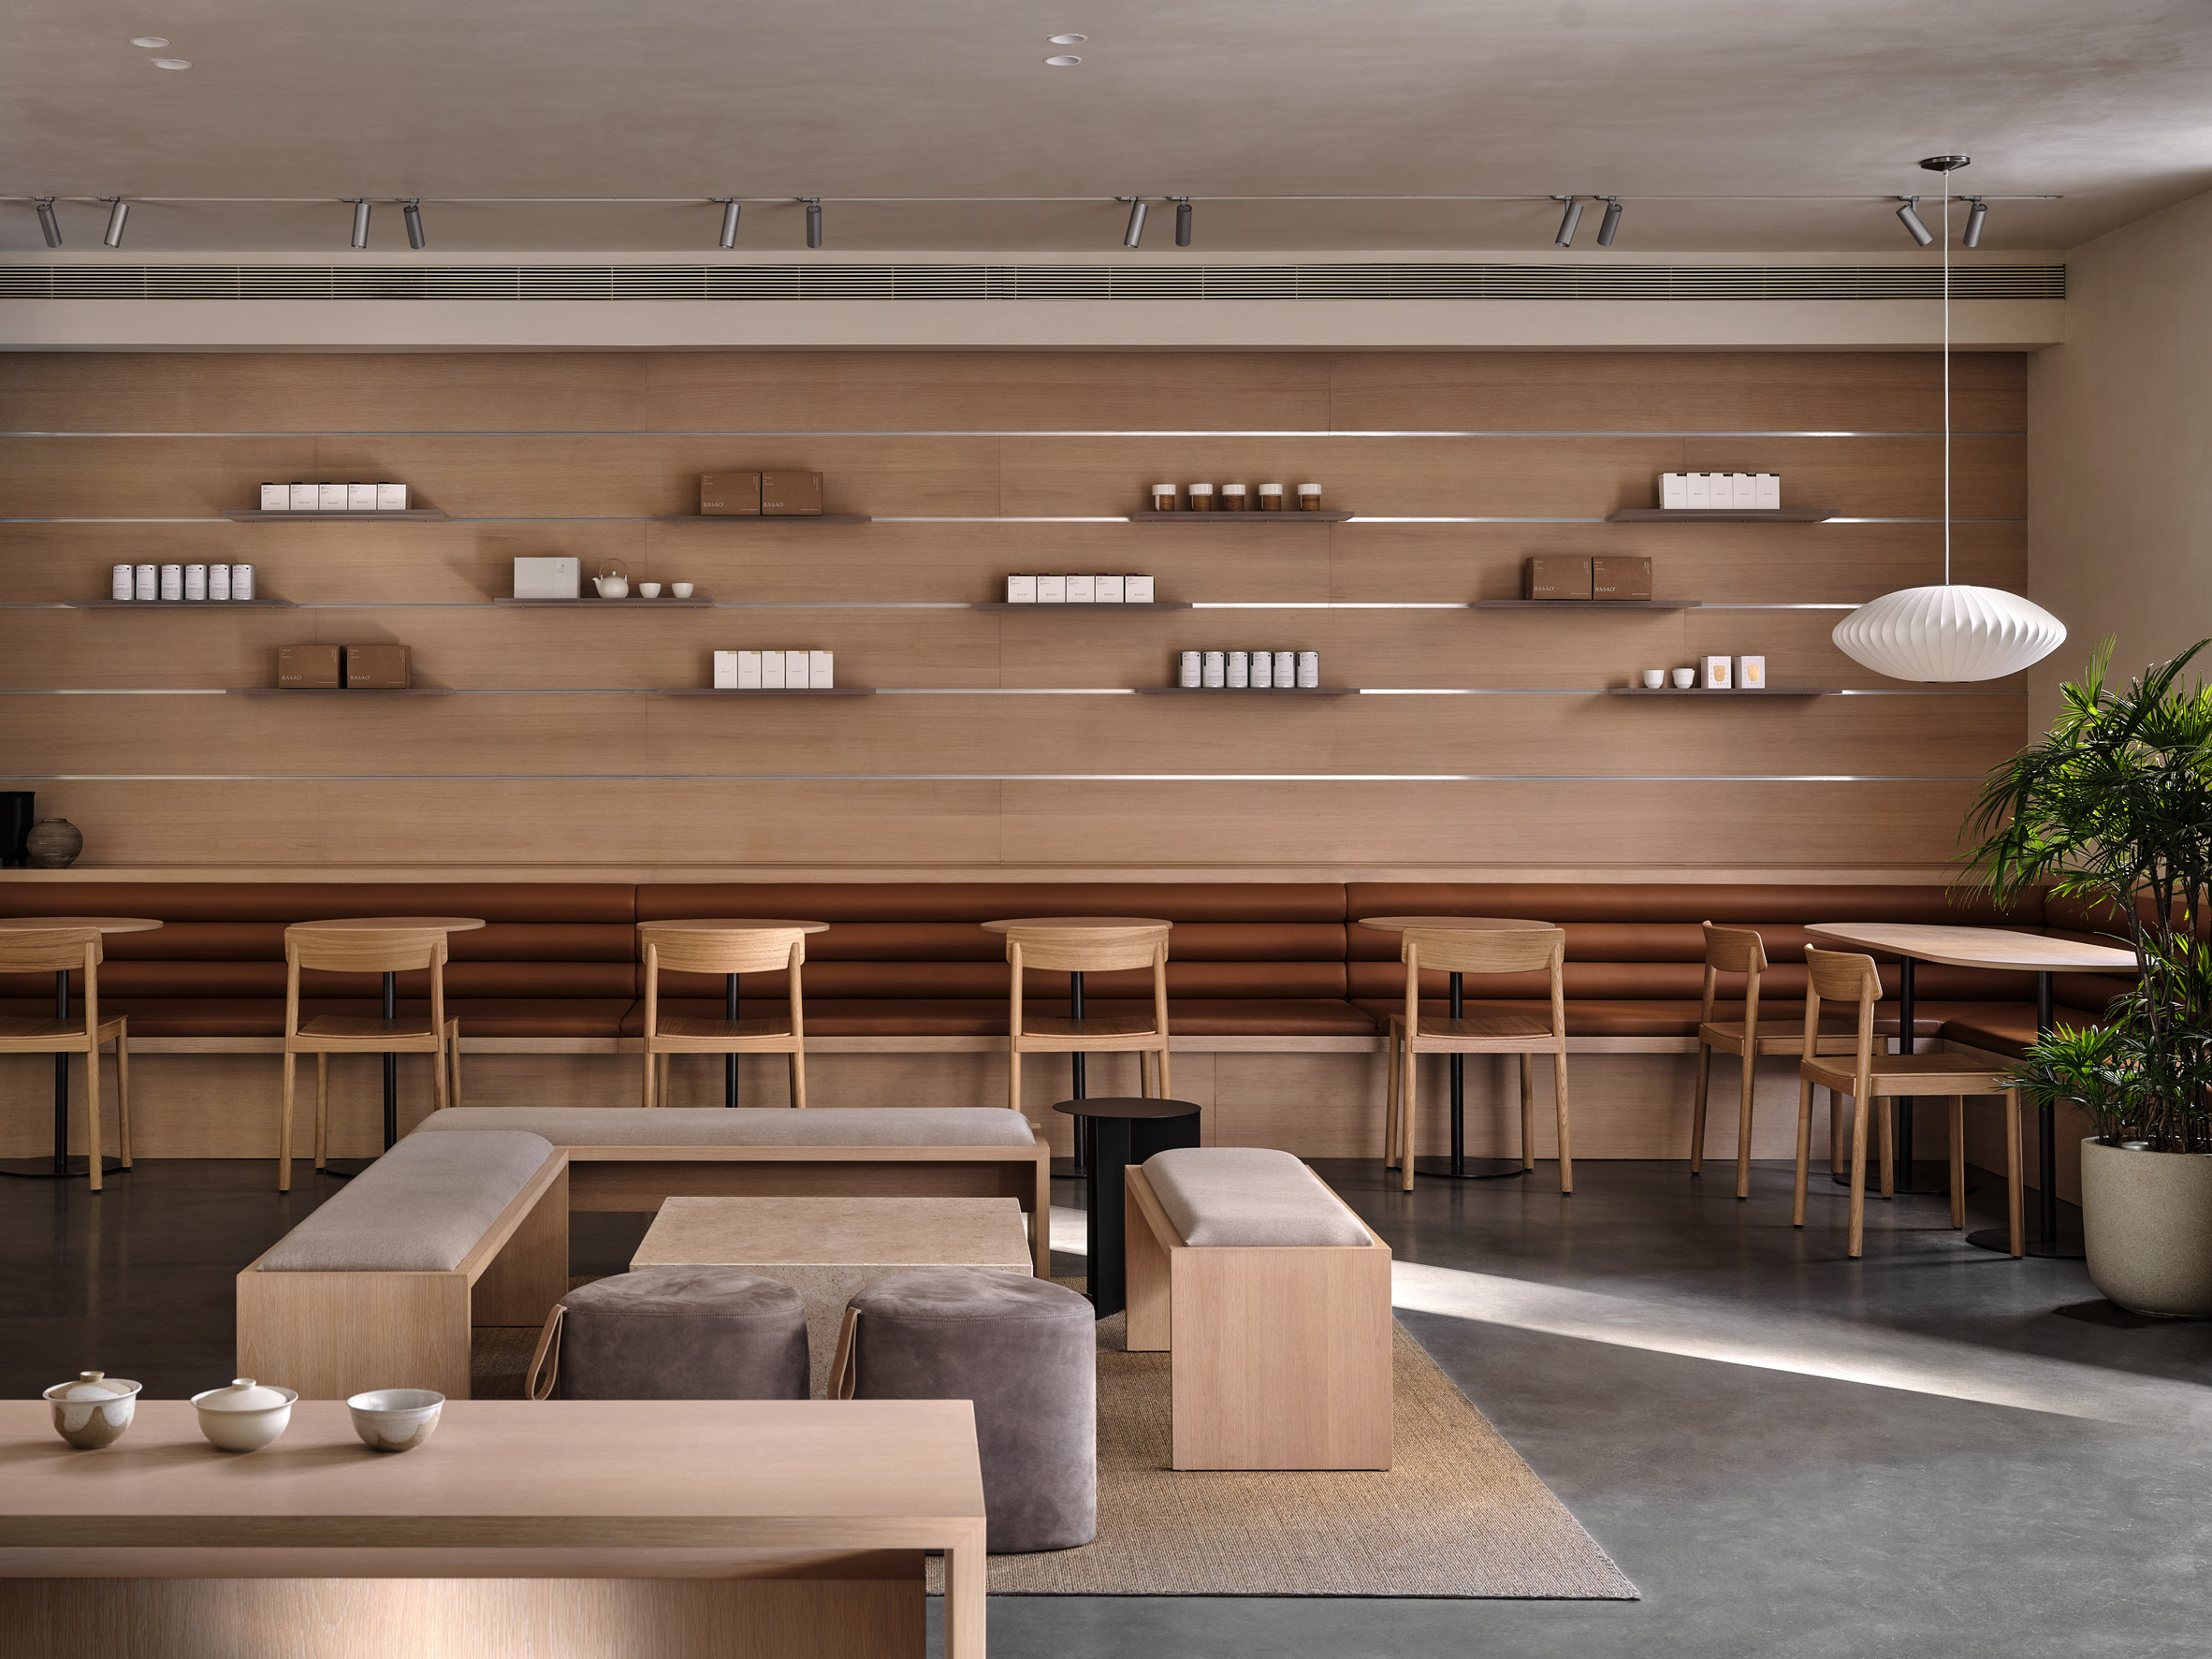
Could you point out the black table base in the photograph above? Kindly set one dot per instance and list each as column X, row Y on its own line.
column 59, row 1168
column 1124, row 1130
column 1459, row 1166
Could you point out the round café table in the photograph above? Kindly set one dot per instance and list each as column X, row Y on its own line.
column 725, row 924
column 1459, row 1166
column 391, row 1061
column 61, row 1165
column 1125, row 1129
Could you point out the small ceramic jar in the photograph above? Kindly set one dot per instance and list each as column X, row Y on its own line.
column 92, row 1411
column 244, row 1417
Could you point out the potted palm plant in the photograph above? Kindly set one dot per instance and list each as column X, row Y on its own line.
column 2113, row 807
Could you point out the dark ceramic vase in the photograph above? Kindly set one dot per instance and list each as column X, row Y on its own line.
column 55, row 844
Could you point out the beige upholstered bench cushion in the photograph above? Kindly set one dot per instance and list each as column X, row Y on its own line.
column 1248, row 1194
column 420, row 1208
column 748, row 1125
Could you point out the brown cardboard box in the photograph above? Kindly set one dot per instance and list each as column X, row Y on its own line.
column 730, row 495
column 1620, row 579
column 791, row 495
column 308, row 668
column 1557, row 578
column 376, row 668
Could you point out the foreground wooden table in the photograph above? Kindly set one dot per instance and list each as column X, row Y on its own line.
column 563, row 1530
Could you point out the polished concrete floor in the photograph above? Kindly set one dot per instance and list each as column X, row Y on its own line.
column 1933, row 1450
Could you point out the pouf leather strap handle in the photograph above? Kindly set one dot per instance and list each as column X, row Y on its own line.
column 845, row 1369
column 549, row 1357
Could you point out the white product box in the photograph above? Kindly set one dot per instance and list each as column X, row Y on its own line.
column 1674, row 489
column 1108, row 590
column 1080, row 589
column 821, row 671
column 795, row 673
column 119, row 582
column 1769, row 490
column 242, row 581
column 548, row 578
column 276, row 498
column 1021, row 590
column 748, row 671
column 1743, row 490
column 360, row 498
column 772, row 670
column 392, row 497
column 145, row 581
column 1717, row 677
column 218, row 581
column 330, row 498
column 172, row 581
column 1240, row 671
column 1052, row 589
column 1264, row 671
column 303, row 498
column 1285, row 670
column 1137, row 590
column 1750, row 673
column 196, row 581
column 1191, row 671
column 1214, row 672
column 1309, row 670
column 725, row 670
column 1697, row 490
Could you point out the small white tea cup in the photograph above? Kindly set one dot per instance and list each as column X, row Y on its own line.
column 395, row 1419
column 1654, row 678
column 681, row 590
column 648, row 590
column 1685, row 679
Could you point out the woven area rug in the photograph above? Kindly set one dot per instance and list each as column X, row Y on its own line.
column 1460, row 1514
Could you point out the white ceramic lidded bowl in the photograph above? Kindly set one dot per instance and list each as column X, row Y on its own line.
column 92, row 1411
column 395, row 1419
column 244, row 1417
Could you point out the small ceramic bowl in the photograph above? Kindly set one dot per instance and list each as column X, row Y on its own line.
column 92, row 1411
column 681, row 590
column 395, row 1419
column 244, row 1417
column 648, row 590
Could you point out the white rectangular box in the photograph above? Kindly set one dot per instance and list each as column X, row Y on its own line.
column 1136, row 589
column 1716, row 676
column 392, row 497
column 548, row 578
column 821, row 670
column 360, row 498
column 276, row 498
column 1674, row 489
column 1080, row 589
column 330, row 498
column 772, row 670
column 1750, row 673
column 1108, row 591
column 1021, row 590
column 725, row 670
column 303, row 498
column 1697, row 490
column 1052, row 589
column 795, row 672
column 748, row 671
column 1743, row 490
column 1769, row 490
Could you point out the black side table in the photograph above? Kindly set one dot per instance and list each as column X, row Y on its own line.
column 1125, row 1129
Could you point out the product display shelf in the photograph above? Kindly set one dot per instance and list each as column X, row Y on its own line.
column 1720, row 691
column 762, row 519
column 178, row 604
column 1289, row 515
column 1247, row 691
column 391, row 516
column 339, row 690
column 1156, row 604
column 764, row 691
column 1587, row 604
column 1719, row 515
column 698, row 602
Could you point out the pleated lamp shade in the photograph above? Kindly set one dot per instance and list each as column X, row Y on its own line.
column 1951, row 633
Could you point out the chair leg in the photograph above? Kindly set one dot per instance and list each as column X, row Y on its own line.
column 1958, row 1162
column 1838, row 1154
column 1159, row 1066
column 2012, row 1172
column 438, row 1099
column 1013, row 1075
column 1408, row 1119
column 1566, row 1154
column 453, row 1095
column 1804, row 1149
column 285, row 1128
column 123, row 1093
column 1697, row 1108
column 798, row 1080
column 1528, row 1114
column 661, row 1079
column 1743, row 1124
column 322, row 1110
column 1859, row 1108
column 645, row 1092
column 1391, row 1099
column 1887, row 1108
column 92, row 1109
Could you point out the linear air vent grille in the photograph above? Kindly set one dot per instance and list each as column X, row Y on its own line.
column 1738, row 283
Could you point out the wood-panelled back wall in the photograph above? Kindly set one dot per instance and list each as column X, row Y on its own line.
column 1502, row 753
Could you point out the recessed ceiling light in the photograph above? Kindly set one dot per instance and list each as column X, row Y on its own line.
column 1064, row 62
column 151, row 42
column 1049, row 41
column 172, row 63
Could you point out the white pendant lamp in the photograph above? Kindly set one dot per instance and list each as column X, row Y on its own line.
column 1953, row 632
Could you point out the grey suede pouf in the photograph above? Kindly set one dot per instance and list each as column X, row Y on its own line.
column 675, row 1334
column 1025, row 1351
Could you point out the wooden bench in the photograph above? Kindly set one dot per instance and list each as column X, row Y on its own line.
column 626, row 1157
column 378, row 1288
column 1272, row 1299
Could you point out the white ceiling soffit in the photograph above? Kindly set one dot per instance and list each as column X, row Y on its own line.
column 2101, row 105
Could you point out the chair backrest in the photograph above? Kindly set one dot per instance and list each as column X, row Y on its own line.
column 1734, row 949
column 1486, row 950
column 735, row 947
column 1841, row 976
column 1088, row 948
column 50, row 950
column 362, row 950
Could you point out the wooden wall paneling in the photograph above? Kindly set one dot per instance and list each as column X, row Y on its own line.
column 157, row 650
column 102, row 477
column 1874, row 477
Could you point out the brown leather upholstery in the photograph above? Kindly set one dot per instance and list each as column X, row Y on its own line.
column 2001, row 1029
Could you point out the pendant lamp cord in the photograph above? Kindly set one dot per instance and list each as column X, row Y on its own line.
column 1946, row 380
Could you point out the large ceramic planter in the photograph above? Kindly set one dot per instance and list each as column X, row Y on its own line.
column 2147, row 1220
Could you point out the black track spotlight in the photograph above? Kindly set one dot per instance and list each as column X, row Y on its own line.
column 1609, row 227
column 119, row 213
column 730, row 207
column 1568, row 221
column 411, row 211
column 1975, row 217
column 1135, row 233
column 1182, row 222
column 813, row 220
column 49, row 226
column 360, row 220
column 1910, row 218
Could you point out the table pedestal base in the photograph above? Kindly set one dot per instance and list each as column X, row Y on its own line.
column 45, row 1169
column 2066, row 1247
column 1469, row 1168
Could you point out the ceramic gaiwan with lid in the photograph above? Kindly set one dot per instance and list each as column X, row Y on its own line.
column 92, row 1411
column 244, row 1417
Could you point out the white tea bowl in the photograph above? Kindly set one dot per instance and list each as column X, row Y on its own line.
column 244, row 1417
column 396, row 1419
column 648, row 590
column 1654, row 678
column 681, row 590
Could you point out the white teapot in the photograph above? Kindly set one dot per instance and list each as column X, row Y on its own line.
column 613, row 580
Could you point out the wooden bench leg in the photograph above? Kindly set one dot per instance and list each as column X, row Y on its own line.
column 1146, row 1265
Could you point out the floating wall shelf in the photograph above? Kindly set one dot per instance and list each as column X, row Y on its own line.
column 1719, row 515
column 1247, row 691
column 698, row 602
column 764, row 691
column 179, row 604
column 259, row 516
column 762, row 519
column 1586, row 605
column 1704, row 692
column 1157, row 605
column 339, row 690
column 1246, row 517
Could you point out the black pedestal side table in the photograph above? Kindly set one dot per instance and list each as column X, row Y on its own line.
column 1124, row 1129
column 61, row 1165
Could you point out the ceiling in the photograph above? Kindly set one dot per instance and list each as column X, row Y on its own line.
column 2104, row 105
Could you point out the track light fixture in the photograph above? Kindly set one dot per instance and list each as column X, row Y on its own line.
column 1910, row 218
column 49, row 226
column 119, row 212
column 411, row 211
column 813, row 220
column 1135, row 233
column 1609, row 227
column 730, row 206
column 1182, row 220
column 1568, row 220
column 1975, row 216
column 360, row 220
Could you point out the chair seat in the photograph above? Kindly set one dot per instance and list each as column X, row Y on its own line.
column 1090, row 1026
column 1907, row 1074
column 1835, row 1037
column 32, row 1033
column 369, row 1031
column 1484, row 1025
column 693, row 1028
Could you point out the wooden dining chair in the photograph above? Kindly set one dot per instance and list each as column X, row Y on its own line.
column 310, row 945
column 1869, row 1077
column 1089, row 950
column 692, row 948
column 1488, row 1031
column 59, row 950
column 1742, row 950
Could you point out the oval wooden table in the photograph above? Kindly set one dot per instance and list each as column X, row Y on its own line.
column 1458, row 1166
column 1993, row 947
column 723, row 925
column 61, row 1165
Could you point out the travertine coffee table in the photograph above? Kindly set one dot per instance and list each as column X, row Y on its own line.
column 829, row 1250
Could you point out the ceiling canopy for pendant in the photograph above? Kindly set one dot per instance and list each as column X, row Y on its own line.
column 1949, row 633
